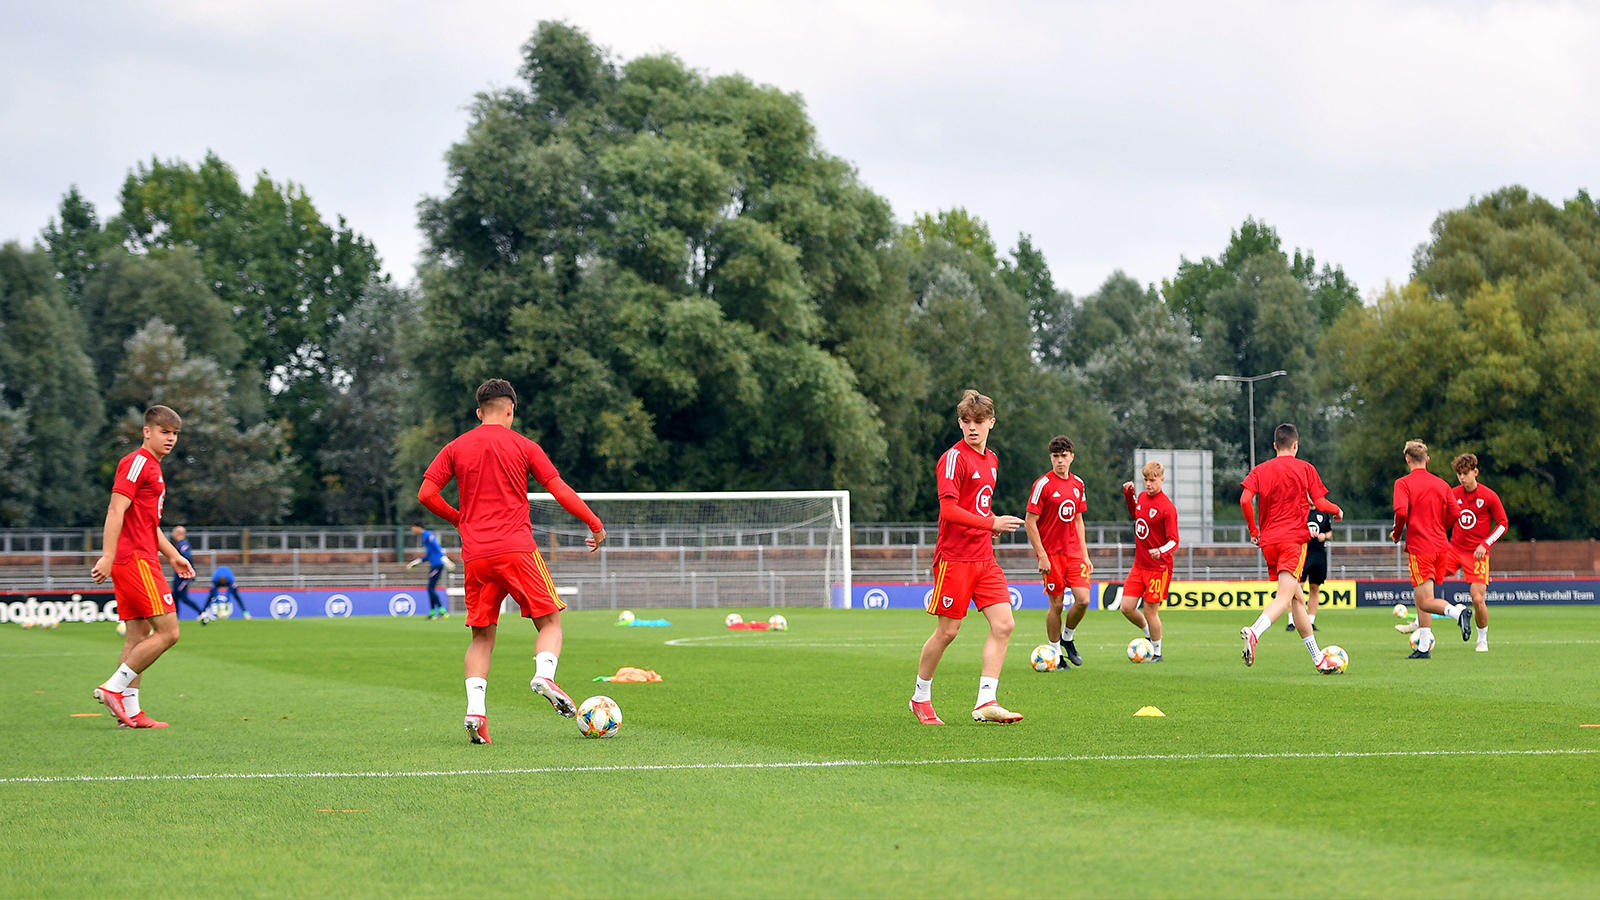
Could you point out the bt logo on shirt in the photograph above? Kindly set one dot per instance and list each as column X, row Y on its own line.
column 1141, row 529
column 985, row 494
column 1067, row 510
column 1468, row 520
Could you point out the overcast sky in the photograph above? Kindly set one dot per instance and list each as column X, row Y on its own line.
column 1119, row 134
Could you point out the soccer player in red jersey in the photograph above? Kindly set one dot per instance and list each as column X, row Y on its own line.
column 1055, row 529
column 1423, row 508
column 1285, row 488
column 1480, row 520
column 131, row 558
column 491, row 465
column 964, row 568
column 1155, row 541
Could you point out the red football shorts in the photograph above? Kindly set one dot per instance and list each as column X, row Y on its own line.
column 1434, row 567
column 521, row 575
column 956, row 584
column 1149, row 585
column 1289, row 558
column 1477, row 569
column 140, row 590
column 1066, row 572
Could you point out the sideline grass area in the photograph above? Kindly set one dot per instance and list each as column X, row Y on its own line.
column 385, row 695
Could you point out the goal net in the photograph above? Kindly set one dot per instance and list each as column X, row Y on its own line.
column 694, row 549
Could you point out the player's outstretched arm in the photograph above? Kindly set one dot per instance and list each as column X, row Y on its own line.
column 950, row 511
column 1247, row 505
column 1329, row 507
column 115, row 512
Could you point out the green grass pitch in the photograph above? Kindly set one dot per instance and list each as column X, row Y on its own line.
column 1059, row 805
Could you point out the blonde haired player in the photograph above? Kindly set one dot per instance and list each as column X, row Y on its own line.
column 132, row 542
column 1480, row 520
column 1055, row 529
column 964, row 569
column 1423, row 507
column 1155, row 534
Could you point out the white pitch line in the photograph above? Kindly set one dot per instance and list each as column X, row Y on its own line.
column 797, row 764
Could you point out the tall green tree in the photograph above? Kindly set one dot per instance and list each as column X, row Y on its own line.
column 667, row 267
column 219, row 474
column 286, row 274
column 47, row 387
column 1493, row 348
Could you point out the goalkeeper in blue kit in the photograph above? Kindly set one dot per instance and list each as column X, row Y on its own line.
column 438, row 564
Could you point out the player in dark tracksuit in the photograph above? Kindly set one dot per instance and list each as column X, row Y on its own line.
column 180, row 586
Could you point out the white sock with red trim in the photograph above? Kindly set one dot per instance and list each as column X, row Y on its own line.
column 476, row 689
column 130, row 701
column 986, row 689
column 1261, row 625
column 544, row 666
column 119, row 679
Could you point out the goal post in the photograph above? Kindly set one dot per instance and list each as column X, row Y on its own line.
column 700, row 549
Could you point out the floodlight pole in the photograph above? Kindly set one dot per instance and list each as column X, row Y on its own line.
column 1251, row 382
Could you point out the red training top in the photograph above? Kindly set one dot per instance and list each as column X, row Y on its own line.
column 1155, row 527
column 139, row 479
column 491, row 465
column 1058, row 502
column 1480, row 518
column 1422, row 507
column 966, row 480
column 1285, row 489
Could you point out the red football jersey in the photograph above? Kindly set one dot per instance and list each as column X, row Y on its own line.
column 491, row 465
column 1285, row 487
column 1155, row 527
column 139, row 479
column 1058, row 502
column 1424, row 502
column 968, row 476
column 1479, row 518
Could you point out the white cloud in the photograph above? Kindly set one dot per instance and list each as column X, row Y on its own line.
column 1120, row 135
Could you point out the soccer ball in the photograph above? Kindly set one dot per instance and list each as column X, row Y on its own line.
column 626, row 617
column 1421, row 641
column 1141, row 650
column 122, row 628
column 27, row 622
column 599, row 717
column 1334, row 660
column 778, row 623
column 734, row 619
column 1400, row 611
column 1045, row 658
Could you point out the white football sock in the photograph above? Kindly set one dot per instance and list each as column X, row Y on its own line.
column 1261, row 625
column 119, row 679
column 1157, row 645
column 1311, row 645
column 544, row 666
column 1313, row 617
column 130, row 701
column 1454, row 610
column 476, row 689
column 1066, row 633
column 924, row 691
column 1425, row 631
column 986, row 689
column 1147, row 631
column 1483, row 635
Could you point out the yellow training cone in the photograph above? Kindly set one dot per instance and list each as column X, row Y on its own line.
column 1150, row 711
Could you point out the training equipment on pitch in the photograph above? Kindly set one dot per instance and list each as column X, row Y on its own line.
column 1045, row 657
column 1400, row 611
column 778, row 623
column 1333, row 660
column 1141, row 650
column 599, row 717
column 733, row 619
column 700, row 549
column 1421, row 641
column 625, row 617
